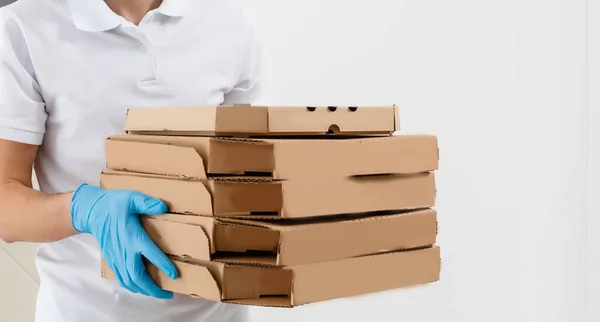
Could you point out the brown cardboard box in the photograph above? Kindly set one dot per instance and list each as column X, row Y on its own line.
column 290, row 243
column 246, row 120
column 199, row 157
column 298, row 285
column 264, row 198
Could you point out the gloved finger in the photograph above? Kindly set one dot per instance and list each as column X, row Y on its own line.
column 143, row 280
column 158, row 258
column 125, row 281
column 146, row 205
column 132, row 285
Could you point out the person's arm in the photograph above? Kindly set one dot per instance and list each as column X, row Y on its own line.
column 27, row 214
column 110, row 216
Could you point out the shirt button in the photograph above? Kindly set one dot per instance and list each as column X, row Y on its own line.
column 144, row 48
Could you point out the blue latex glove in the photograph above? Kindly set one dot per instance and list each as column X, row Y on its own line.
column 112, row 217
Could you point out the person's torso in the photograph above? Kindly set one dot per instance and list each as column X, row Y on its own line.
column 88, row 81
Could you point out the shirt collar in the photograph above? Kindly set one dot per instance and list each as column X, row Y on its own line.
column 95, row 15
column 175, row 8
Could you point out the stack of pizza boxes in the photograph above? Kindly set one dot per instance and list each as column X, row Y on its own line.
column 282, row 205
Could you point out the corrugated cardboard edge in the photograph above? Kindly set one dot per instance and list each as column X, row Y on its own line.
column 279, row 302
column 191, row 239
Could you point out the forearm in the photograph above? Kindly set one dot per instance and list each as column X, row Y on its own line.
column 32, row 216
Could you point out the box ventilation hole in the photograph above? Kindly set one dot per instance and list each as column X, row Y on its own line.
column 333, row 129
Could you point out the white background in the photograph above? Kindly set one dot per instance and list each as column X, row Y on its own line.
column 504, row 86
column 511, row 89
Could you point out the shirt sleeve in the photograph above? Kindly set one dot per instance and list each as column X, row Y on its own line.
column 249, row 88
column 22, row 108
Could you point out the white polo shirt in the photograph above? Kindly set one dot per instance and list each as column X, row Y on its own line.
column 69, row 69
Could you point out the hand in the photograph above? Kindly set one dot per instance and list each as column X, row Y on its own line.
column 112, row 217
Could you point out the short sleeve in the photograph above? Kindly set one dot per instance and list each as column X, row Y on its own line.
column 249, row 88
column 22, row 108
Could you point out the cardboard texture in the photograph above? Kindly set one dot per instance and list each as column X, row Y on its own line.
column 299, row 285
column 287, row 244
column 200, row 157
column 263, row 198
column 246, row 120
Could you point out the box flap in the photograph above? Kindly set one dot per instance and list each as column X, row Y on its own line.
column 200, row 143
column 253, row 282
column 177, row 238
column 194, row 238
column 245, row 196
column 182, row 196
column 220, row 155
column 363, row 275
column 194, row 280
column 241, row 156
column 262, row 120
column 232, row 237
column 198, row 278
column 154, row 158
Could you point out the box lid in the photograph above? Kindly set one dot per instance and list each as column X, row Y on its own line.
column 299, row 285
column 247, row 120
column 259, row 198
column 290, row 243
column 199, row 157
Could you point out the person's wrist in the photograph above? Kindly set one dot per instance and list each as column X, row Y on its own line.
column 82, row 202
